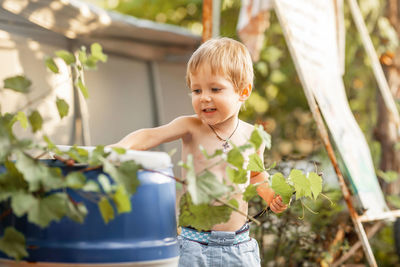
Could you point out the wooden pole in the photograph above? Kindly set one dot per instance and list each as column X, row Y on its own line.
column 345, row 190
column 207, row 20
column 216, row 17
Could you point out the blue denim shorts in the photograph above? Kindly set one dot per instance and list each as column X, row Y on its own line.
column 220, row 250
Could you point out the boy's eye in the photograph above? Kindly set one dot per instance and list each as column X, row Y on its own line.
column 215, row 89
column 196, row 91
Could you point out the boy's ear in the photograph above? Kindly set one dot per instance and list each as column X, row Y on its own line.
column 245, row 93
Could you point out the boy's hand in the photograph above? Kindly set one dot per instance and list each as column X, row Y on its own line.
column 275, row 203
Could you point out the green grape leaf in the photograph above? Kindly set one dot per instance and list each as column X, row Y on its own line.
column 51, row 146
column 76, row 211
column 91, row 186
column 191, row 178
column 11, row 181
column 388, row 176
column 13, row 244
column 106, row 210
column 97, row 52
column 125, row 175
column 62, row 107
column 301, row 184
column 18, row 83
column 78, row 154
column 236, row 176
column 281, row 187
column 250, row 192
column 22, row 202
column 97, row 154
column 394, row 200
column 36, row 121
column 104, row 181
column 255, row 163
column 316, row 184
column 271, row 166
column 90, row 63
column 172, row 152
column 51, row 65
column 207, row 156
column 119, row 150
column 258, row 136
column 83, row 88
column 21, row 117
column 68, row 57
column 5, row 139
column 235, row 158
column 48, row 209
column 205, row 187
column 203, row 216
column 75, row 180
column 82, row 55
column 244, row 147
column 38, row 174
column 208, row 187
column 122, row 200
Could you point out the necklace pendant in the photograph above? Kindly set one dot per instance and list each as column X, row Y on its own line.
column 225, row 146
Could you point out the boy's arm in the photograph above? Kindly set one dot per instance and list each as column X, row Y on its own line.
column 264, row 190
column 145, row 139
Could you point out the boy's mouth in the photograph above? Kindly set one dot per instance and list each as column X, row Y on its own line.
column 207, row 110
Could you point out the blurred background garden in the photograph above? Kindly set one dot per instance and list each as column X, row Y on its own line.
column 278, row 102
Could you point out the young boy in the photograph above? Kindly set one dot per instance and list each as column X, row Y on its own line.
column 220, row 77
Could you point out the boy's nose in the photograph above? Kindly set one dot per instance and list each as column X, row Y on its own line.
column 205, row 97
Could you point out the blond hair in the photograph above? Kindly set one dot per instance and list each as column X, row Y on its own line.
column 225, row 56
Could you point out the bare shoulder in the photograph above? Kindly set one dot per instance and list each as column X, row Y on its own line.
column 247, row 127
column 187, row 124
column 188, row 121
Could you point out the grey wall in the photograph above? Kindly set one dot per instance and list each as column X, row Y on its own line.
column 126, row 94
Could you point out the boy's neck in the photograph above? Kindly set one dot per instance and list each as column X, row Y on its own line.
column 225, row 129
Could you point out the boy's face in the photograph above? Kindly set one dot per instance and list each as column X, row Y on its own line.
column 214, row 98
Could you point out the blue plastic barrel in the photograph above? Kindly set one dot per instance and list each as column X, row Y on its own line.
column 144, row 237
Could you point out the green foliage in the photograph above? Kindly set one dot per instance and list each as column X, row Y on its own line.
column 18, row 83
column 281, row 187
column 255, row 163
column 62, row 107
column 259, row 136
column 237, row 177
column 83, row 88
column 36, row 121
column 388, row 176
column 301, row 184
column 250, row 192
column 21, row 117
column 38, row 175
column 97, row 53
column 13, row 244
column 75, row 180
column 121, row 200
column 30, row 188
column 202, row 216
column 394, row 200
column 51, row 65
column 68, row 57
column 106, row 210
column 204, row 187
column 125, row 175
